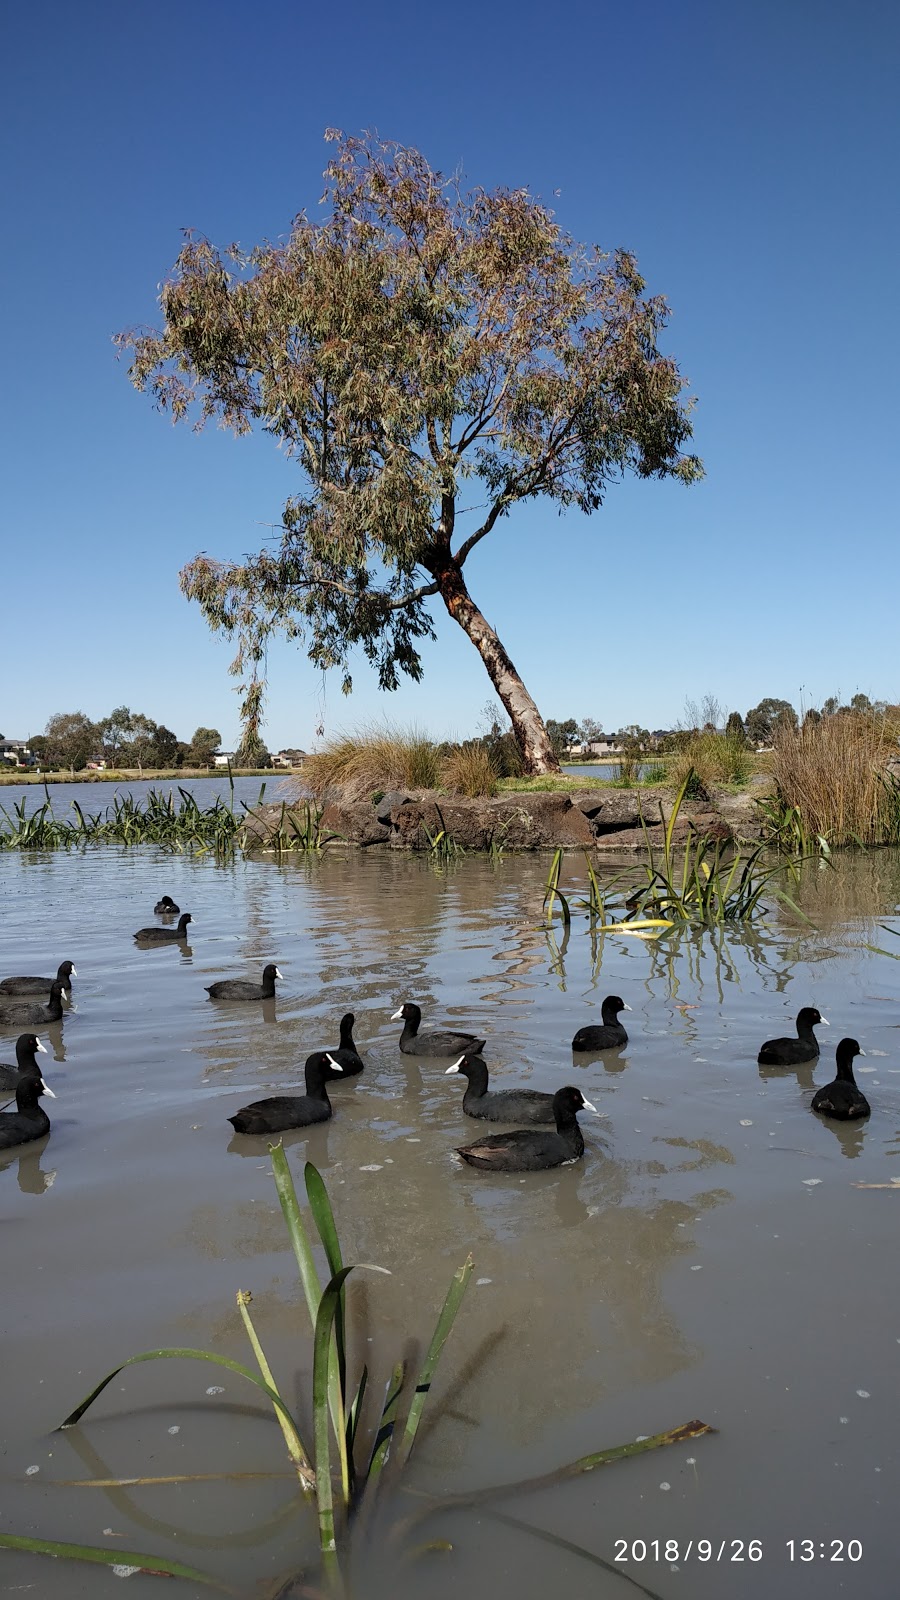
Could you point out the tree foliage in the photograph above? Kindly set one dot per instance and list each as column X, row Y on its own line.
column 414, row 338
column 71, row 740
column 763, row 720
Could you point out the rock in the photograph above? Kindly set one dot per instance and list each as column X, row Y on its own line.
column 355, row 821
column 389, row 803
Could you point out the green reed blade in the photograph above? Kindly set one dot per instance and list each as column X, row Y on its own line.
column 190, row 1355
column 439, row 1338
column 323, row 1346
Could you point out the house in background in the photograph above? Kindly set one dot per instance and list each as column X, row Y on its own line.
column 15, row 751
column 225, row 758
column 289, row 758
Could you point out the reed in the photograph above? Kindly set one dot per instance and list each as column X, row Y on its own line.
column 833, row 783
column 159, row 819
column 699, row 880
column 713, row 758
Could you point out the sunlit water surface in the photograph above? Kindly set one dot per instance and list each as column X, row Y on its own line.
column 711, row 1257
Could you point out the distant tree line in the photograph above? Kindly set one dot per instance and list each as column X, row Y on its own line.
column 758, row 726
column 129, row 738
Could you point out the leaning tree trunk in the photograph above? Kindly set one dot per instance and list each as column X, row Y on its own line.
column 528, row 727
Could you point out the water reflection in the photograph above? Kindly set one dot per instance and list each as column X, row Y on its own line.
column 803, row 1074
column 32, row 1177
column 849, row 1135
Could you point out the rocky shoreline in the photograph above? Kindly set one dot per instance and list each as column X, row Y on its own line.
column 598, row 819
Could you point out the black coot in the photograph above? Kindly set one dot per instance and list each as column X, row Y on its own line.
column 531, row 1149
column 239, row 989
column 346, row 1055
column 506, row 1105
column 27, row 1045
column 841, row 1098
column 414, row 1043
column 166, row 907
column 608, row 1036
column 64, row 974
column 28, row 1121
column 790, row 1052
column 165, row 935
column 24, row 1012
column 284, row 1111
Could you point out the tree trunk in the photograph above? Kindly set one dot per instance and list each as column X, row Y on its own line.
column 530, row 734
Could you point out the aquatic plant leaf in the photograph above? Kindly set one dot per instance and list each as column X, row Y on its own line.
column 322, row 1353
column 190, row 1355
column 381, row 1448
column 439, row 1338
column 295, row 1448
column 151, row 1566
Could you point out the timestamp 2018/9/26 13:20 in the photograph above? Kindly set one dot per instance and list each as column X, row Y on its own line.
column 678, row 1550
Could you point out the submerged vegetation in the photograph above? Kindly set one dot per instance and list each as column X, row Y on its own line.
column 342, row 1471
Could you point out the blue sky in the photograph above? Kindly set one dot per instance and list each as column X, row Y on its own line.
column 747, row 154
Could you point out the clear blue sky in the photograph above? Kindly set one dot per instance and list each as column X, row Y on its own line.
column 747, row 154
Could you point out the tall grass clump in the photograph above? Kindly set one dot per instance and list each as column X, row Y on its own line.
column 469, row 770
column 713, row 757
column 831, row 778
column 376, row 756
column 344, row 1464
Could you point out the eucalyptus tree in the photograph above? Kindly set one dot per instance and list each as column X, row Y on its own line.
column 430, row 358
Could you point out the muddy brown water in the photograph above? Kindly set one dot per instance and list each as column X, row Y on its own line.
column 711, row 1257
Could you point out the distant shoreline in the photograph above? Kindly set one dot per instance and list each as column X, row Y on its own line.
column 134, row 775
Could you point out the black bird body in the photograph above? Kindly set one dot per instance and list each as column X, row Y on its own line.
column 435, row 1043
column 841, row 1098
column 346, row 1055
column 166, row 907
column 504, row 1105
column 65, row 972
column 28, row 1121
column 24, row 1012
column 165, row 935
column 240, row 989
column 534, row 1149
column 27, row 1045
column 609, row 1035
column 793, row 1052
column 280, row 1112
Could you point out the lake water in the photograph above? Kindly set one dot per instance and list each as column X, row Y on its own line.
column 711, row 1256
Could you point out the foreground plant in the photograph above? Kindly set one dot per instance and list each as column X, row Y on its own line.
column 341, row 1475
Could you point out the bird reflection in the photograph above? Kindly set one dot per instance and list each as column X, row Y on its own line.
column 849, row 1135
column 609, row 1060
column 31, row 1176
column 55, row 1036
column 269, row 1010
column 259, row 1144
column 802, row 1074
